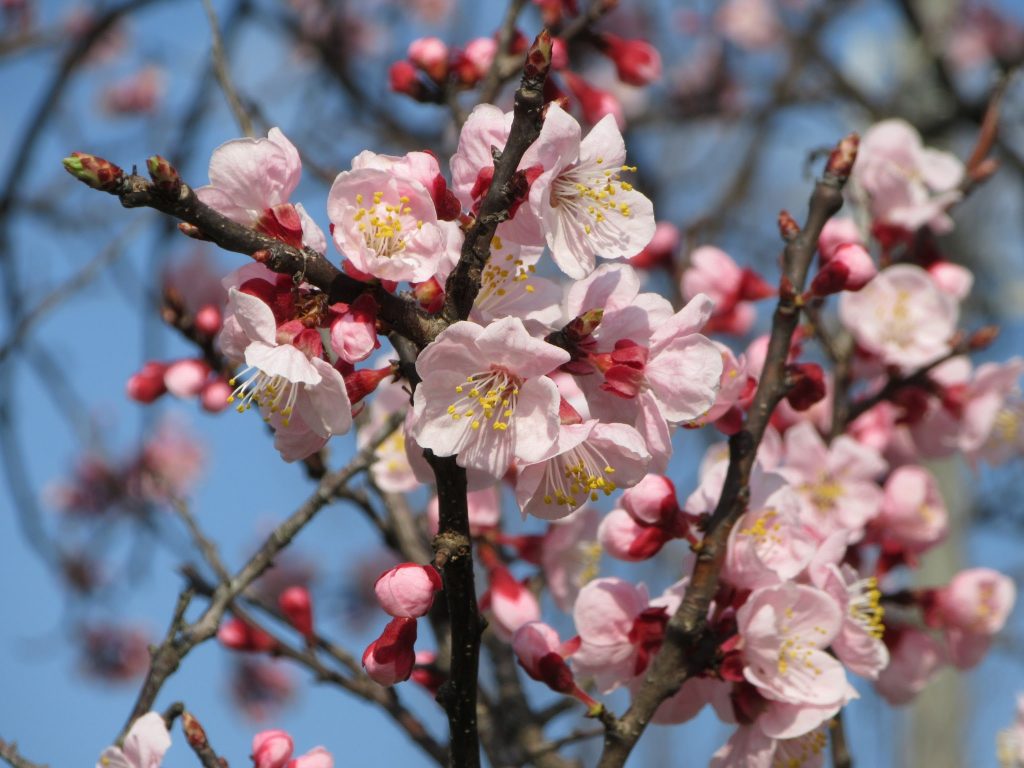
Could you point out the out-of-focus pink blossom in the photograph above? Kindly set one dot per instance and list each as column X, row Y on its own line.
column 239, row 635
column 510, row 603
column 261, row 688
column 144, row 746
column 139, row 93
column 849, row 268
column 661, row 251
column 836, row 232
column 570, row 555
column 271, row 749
column 952, row 278
column 732, row 289
column 431, row 55
column 752, row 24
column 915, row 656
column 148, row 384
column 913, row 513
column 297, row 606
column 114, row 653
column 637, row 62
column 408, row 589
column 901, row 316
column 970, row 610
column 907, row 184
column 390, row 658
column 595, row 103
column 186, row 378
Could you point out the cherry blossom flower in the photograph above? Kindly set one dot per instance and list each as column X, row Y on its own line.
column 570, row 555
column 732, row 289
column 542, row 654
column 650, row 517
column 384, row 216
column 510, row 287
column 859, row 641
column 144, row 746
column 914, row 658
column 509, row 602
column 748, row 747
column 390, row 469
column 251, row 181
column 913, row 514
column 785, row 631
column 752, row 24
column 1010, row 741
column 901, row 316
column 408, row 589
column 970, row 610
column 907, row 184
column 485, row 397
column 587, row 460
column 287, row 378
column 836, row 483
column 637, row 62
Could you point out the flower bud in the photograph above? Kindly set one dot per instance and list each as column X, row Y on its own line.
column 807, row 385
column 430, row 54
column 661, row 250
column 472, row 64
column 297, row 606
column 594, row 102
column 538, row 57
column 194, row 732
column 850, row 268
column 165, row 176
column 511, row 604
column 271, row 749
column 148, row 384
column 317, row 757
column 407, row 590
column 637, row 62
column 840, row 161
column 837, row 232
column 390, row 658
column 214, row 397
column 209, row 319
column 354, row 329
column 403, row 78
column 95, row 171
column 429, row 294
column 241, row 636
column 186, row 378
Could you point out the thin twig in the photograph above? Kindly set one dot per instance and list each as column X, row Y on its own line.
column 9, row 753
column 223, row 73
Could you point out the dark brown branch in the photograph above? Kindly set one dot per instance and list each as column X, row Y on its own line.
column 840, row 751
column 9, row 753
column 688, row 648
column 307, row 265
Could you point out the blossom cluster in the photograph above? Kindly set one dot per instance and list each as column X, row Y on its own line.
column 569, row 398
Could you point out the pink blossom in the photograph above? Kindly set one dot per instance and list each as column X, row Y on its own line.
column 384, row 216
column 239, row 635
column 250, row 183
column 570, row 555
column 147, row 385
column 907, row 184
column 288, row 379
column 114, row 653
column 649, row 519
column 901, row 316
column 587, row 460
column 1010, row 741
column 749, row 747
column 509, row 286
column 485, row 397
column 408, row 589
column 390, row 658
column 836, row 232
column 144, row 746
column 848, row 268
column 952, row 278
column 595, row 103
column 732, row 289
column 297, row 606
column 271, row 749
column 637, row 62
column 390, row 469
column 431, row 55
column 915, row 656
column 859, row 642
column 661, row 251
column 354, row 329
column 913, row 513
column 479, row 54
column 510, row 603
column 139, row 93
column 836, row 483
column 785, row 631
column 186, row 378
column 972, row 608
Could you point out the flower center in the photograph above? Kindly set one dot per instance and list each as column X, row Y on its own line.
column 587, row 192
column 764, row 528
column 571, row 477
column 275, row 393
column 501, row 275
column 488, row 397
column 383, row 225
column 865, row 607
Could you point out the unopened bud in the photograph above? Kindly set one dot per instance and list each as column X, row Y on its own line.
column 403, row 78
column 840, row 161
column 194, row 732
column 637, row 62
column 583, row 326
column 983, row 338
column 365, row 381
column 538, row 58
column 430, row 54
column 430, row 294
column 297, row 606
column 788, row 228
column 807, row 385
column 95, row 171
column 208, row 319
column 191, row 230
column 165, row 176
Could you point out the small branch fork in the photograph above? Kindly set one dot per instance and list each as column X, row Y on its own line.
column 10, row 755
column 689, row 648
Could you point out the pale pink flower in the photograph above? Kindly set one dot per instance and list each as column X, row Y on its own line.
column 485, row 397
column 859, row 642
column 848, row 268
column 735, row 391
column 913, row 513
column 431, row 55
column 390, row 469
column 251, row 181
column 970, row 610
column 1010, row 741
column 732, row 289
column 785, row 631
column 384, row 217
column 479, row 53
column 509, row 602
column 907, row 184
column 619, row 631
column 570, row 555
column 390, row 658
column 408, row 589
column 836, row 232
column 285, row 381
column 769, row 544
column 650, row 517
column 952, row 278
column 1006, row 440
column 139, row 93
column 836, row 483
column 588, row 459
column 354, row 329
column 915, row 657
column 144, row 746
column 901, row 316
column 749, row 747
column 296, row 604
column 510, row 287
column 186, row 378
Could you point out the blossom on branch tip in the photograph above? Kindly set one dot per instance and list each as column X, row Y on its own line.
column 390, row 658
column 273, row 749
column 407, row 590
